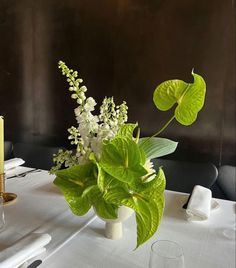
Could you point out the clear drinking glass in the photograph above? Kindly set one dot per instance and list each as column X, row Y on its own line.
column 2, row 216
column 166, row 254
column 230, row 232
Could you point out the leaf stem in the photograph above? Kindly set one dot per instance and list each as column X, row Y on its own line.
column 161, row 130
column 164, row 127
column 137, row 136
column 148, row 176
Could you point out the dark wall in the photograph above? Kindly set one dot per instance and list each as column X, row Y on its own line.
column 123, row 48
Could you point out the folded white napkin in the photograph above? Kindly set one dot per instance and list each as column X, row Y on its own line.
column 199, row 205
column 13, row 163
column 23, row 250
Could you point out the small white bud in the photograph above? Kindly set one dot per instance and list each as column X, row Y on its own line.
column 74, row 96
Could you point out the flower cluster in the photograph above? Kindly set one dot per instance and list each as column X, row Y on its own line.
column 92, row 130
column 111, row 167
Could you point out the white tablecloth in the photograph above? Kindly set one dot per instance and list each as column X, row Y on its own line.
column 40, row 205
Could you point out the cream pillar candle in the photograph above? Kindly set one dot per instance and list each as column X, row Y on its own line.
column 1, row 145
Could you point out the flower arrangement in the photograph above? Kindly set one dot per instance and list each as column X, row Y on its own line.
column 112, row 167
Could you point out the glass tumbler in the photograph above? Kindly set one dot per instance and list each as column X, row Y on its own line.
column 2, row 216
column 166, row 254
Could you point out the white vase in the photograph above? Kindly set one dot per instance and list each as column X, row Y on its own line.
column 114, row 228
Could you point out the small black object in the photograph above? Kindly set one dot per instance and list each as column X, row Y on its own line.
column 35, row 264
column 186, row 204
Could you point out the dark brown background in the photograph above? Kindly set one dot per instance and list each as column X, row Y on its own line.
column 123, row 48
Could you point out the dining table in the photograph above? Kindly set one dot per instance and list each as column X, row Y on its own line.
column 80, row 241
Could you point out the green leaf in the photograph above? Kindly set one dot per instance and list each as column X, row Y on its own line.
column 150, row 187
column 155, row 188
column 106, row 182
column 79, row 205
column 148, row 204
column 78, row 174
column 74, row 183
column 168, row 93
column 119, row 196
column 121, row 158
column 143, row 157
column 147, row 219
column 101, row 178
column 126, row 131
column 150, row 207
column 105, row 210
column 192, row 102
column 189, row 98
column 157, row 147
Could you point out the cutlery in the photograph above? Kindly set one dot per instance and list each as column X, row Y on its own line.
column 23, row 174
column 35, row 264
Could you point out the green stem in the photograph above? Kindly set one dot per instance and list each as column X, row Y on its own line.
column 164, row 127
column 137, row 136
column 161, row 130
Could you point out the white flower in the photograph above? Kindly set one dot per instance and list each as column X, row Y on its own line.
column 79, row 101
column 77, row 111
column 92, row 130
column 90, row 104
column 74, row 96
column 96, row 145
column 151, row 172
column 83, row 88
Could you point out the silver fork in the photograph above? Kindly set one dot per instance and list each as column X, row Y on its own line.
column 24, row 174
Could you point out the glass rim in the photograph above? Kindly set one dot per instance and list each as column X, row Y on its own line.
column 181, row 254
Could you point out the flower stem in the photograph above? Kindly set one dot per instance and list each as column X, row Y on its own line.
column 164, row 127
column 161, row 130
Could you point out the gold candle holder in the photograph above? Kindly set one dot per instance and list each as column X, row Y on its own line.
column 7, row 197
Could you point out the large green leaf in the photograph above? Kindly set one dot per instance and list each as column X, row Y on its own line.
column 106, row 182
column 149, row 209
column 189, row 98
column 148, row 204
column 126, row 131
column 121, row 158
column 151, row 187
column 78, row 174
column 192, row 101
column 105, row 210
column 155, row 188
column 73, row 182
column 168, row 93
column 157, row 147
column 148, row 215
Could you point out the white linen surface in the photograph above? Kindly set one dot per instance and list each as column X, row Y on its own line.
column 63, row 228
column 23, row 250
column 18, row 171
column 203, row 243
column 13, row 163
column 199, row 205
column 39, row 202
column 41, row 208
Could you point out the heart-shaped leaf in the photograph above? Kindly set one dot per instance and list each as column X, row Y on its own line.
column 157, row 147
column 75, row 183
column 189, row 98
column 121, row 158
column 106, row 182
column 103, row 209
column 126, row 131
column 147, row 202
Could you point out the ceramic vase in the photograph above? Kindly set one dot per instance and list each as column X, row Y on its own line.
column 114, row 228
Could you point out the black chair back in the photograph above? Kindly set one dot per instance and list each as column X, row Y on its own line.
column 227, row 181
column 183, row 176
column 35, row 156
column 7, row 150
